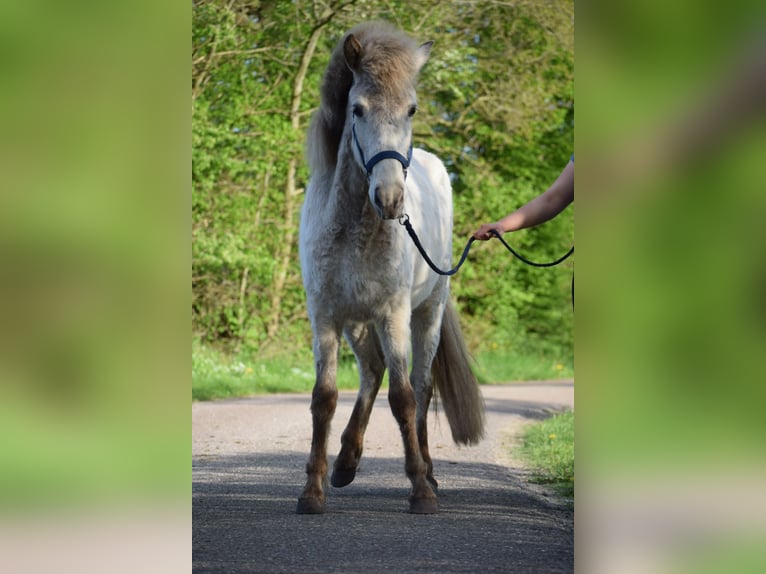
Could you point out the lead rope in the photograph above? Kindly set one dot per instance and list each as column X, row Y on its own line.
column 405, row 221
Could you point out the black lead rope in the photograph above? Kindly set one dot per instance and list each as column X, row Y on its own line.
column 405, row 220
column 527, row 261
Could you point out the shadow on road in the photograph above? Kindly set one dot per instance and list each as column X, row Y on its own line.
column 244, row 520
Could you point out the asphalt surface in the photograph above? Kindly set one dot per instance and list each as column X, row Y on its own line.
column 249, row 457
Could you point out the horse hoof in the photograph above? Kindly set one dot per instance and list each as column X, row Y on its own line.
column 424, row 506
column 310, row 506
column 342, row 477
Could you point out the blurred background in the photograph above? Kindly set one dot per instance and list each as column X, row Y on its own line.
column 94, row 270
column 671, row 323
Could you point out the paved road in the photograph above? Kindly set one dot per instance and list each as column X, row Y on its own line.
column 248, row 470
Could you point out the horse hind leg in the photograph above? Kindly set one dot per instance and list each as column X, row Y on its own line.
column 366, row 346
column 323, row 402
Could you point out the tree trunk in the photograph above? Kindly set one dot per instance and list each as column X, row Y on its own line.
column 288, row 235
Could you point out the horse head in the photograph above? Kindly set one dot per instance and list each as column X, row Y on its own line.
column 381, row 104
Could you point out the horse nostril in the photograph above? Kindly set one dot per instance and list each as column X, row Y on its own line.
column 377, row 200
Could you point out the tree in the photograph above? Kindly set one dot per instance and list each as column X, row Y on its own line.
column 250, row 62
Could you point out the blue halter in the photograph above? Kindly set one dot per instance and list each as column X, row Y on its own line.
column 386, row 154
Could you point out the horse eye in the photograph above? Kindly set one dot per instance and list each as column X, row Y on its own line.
column 412, row 111
column 357, row 110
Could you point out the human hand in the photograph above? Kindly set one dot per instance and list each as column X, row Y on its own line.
column 485, row 231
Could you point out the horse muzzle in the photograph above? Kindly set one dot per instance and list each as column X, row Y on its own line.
column 388, row 201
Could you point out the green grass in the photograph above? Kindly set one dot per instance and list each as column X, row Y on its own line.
column 216, row 375
column 548, row 448
column 503, row 367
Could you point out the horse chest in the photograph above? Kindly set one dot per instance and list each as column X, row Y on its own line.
column 354, row 282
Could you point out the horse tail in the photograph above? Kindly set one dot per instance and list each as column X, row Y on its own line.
column 456, row 383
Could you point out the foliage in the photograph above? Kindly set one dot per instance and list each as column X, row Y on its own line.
column 496, row 104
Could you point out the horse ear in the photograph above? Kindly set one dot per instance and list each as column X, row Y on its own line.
column 424, row 51
column 352, row 50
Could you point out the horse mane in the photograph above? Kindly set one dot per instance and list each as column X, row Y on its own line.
column 389, row 63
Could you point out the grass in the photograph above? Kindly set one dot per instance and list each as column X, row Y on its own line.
column 216, row 375
column 502, row 367
column 548, row 448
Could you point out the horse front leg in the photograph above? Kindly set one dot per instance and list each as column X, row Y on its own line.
column 426, row 323
column 323, row 401
column 401, row 397
column 366, row 346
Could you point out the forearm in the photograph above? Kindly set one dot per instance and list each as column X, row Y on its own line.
column 545, row 206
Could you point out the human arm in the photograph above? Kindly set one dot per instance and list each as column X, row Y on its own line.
column 539, row 210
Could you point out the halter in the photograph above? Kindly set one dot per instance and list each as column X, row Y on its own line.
column 386, row 154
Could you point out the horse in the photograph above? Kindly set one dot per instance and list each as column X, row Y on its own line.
column 363, row 278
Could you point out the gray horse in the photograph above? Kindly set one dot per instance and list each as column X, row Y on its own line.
column 362, row 275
